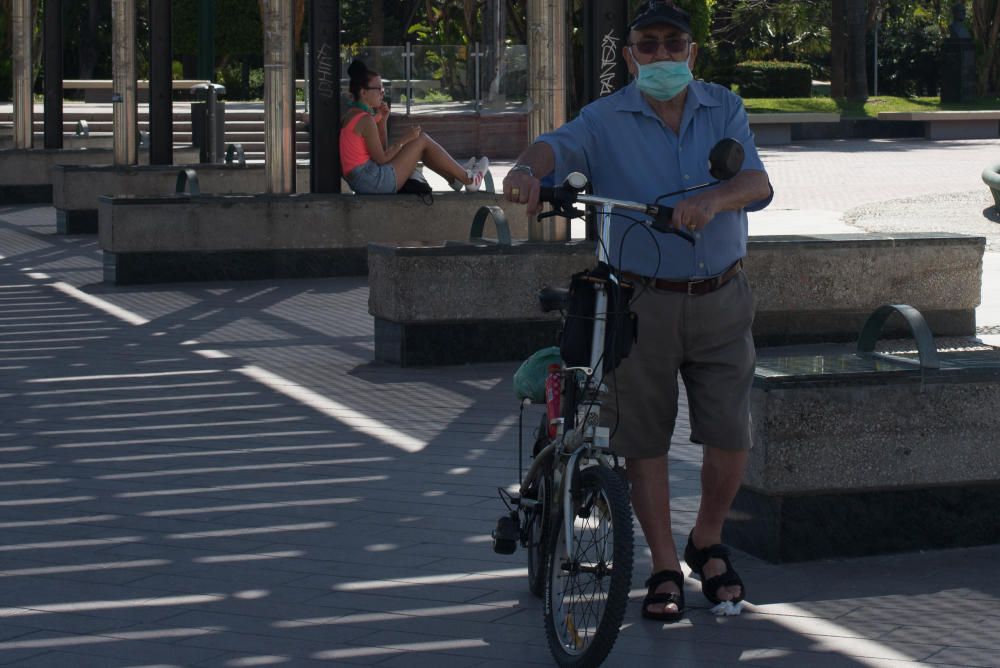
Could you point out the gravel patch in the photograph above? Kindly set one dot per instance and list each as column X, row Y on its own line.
column 962, row 213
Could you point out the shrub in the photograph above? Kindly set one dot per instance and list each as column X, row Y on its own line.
column 767, row 78
column 231, row 76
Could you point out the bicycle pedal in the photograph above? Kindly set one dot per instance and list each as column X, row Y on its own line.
column 506, row 535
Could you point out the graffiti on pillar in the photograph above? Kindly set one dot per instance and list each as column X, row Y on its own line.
column 609, row 53
column 326, row 83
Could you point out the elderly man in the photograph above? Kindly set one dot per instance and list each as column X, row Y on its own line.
column 694, row 304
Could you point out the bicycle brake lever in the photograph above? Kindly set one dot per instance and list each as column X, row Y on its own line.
column 682, row 234
column 567, row 212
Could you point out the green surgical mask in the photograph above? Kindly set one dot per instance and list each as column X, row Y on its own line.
column 664, row 79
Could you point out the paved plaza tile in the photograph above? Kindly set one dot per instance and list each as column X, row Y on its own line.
column 218, row 474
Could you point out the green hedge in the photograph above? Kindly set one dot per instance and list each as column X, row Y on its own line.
column 767, row 78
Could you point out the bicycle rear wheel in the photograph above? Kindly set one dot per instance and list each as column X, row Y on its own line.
column 589, row 573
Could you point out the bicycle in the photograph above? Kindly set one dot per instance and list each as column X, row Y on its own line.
column 572, row 511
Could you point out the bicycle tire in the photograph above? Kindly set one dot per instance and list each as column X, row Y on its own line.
column 537, row 531
column 585, row 595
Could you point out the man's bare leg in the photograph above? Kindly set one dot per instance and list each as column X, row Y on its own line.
column 651, row 503
column 721, row 475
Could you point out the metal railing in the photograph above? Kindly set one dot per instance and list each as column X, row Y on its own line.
column 470, row 76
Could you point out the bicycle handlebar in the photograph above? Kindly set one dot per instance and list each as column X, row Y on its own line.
column 725, row 160
column 563, row 197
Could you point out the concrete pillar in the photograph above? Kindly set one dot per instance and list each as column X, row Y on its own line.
column 324, row 96
column 124, row 104
column 546, row 65
column 279, row 95
column 23, row 77
column 53, row 53
column 161, row 109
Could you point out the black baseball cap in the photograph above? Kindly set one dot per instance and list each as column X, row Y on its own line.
column 657, row 12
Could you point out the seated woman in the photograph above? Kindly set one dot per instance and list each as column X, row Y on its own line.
column 371, row 165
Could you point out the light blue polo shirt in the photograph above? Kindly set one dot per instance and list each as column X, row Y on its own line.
column 628, row 153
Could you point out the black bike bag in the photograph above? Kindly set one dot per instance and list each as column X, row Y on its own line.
column 622, row 325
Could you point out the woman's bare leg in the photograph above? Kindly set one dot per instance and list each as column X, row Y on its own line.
column 406, row 161
column 426, row 150
column 436, row 159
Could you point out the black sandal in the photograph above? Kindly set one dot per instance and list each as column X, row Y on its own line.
column 696, row 560
column 654, row 598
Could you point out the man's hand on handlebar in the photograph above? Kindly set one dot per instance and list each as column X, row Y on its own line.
column 695, row 212
column 522, row 188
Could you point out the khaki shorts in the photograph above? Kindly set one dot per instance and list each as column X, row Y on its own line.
column 705, row 338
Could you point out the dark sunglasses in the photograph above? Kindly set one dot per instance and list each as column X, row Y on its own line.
column 649, row 47
column 378, row 88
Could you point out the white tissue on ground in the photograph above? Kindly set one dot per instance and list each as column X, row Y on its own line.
column 728, row 608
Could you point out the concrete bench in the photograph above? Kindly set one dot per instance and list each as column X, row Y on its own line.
column 991, row 177
column 817, row 288
column 99, row 90
column 460, row 303
column 857, row 454
column 226, row 237
column 26, row 174
column 776, row 128
column 822, row 287
column 76, row 188
column 951, row 124
column 93, row 140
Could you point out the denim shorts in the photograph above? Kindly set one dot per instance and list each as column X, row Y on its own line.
column 372, row 179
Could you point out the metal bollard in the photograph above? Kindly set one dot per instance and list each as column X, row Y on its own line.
column 211, row 152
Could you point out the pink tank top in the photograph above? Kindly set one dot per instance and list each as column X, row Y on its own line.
column 353, row 151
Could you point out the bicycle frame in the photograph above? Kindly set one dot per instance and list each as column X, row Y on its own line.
column 586, row 440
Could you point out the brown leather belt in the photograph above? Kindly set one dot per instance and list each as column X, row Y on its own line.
column 699, row 287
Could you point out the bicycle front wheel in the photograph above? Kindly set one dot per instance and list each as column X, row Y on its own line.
column 589, row 572
column 537, row 530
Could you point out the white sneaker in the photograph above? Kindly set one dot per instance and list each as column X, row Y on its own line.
column 457, row 185
column 478, row 173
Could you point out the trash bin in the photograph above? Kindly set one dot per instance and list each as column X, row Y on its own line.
column 208, row 121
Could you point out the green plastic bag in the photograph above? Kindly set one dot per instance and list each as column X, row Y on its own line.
column 529, row 379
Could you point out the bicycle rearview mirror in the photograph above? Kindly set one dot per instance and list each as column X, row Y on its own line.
column 725, row 159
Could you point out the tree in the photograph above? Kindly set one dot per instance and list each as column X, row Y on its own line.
column 856, row 79
column 986, row 30
column 838, row 49
column 773, row 30
column 910, row 41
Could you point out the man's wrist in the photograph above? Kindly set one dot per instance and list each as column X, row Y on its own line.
column 520, row 167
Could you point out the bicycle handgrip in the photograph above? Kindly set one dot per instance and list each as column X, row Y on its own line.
column 557, row 195
column 661, row 223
